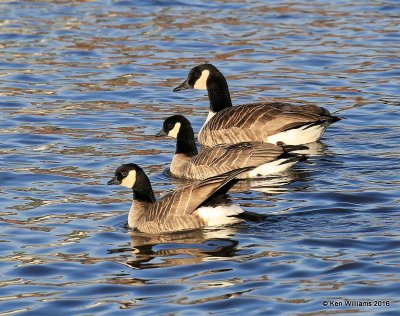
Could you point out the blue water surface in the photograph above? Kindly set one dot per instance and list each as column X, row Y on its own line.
column 85, row 85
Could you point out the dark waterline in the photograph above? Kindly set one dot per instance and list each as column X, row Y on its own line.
column 85, row 85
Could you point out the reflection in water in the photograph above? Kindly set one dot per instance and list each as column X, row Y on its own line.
column 181, row 248
column 86, row 84
column 271, row 185
column 314, row 149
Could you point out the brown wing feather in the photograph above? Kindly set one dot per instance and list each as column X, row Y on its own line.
column 185, row 201
column 269, row 117
column 258, row 121
column 245, row 154
column 172, row 223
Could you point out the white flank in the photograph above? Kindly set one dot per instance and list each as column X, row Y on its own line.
column 174, row 132
column 298, row 136
column 219, row 215
column 129, row 180
column 273, row 167
column 209, row 117
column 201, row 83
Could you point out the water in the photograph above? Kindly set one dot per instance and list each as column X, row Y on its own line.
column 86, row 84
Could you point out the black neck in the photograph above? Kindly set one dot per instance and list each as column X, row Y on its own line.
column 218, row 93
column 142, row 189
column 185, row 143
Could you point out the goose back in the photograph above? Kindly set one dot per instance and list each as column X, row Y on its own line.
column 259, row 121
column 219, row 159
column 271, row 122
column 179, row 210
column 188, row 163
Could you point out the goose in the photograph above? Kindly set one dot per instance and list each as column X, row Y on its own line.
column 188, row 163
column 193, row 207
column 270, row 122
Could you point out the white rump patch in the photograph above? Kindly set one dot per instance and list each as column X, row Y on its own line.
column 129, row 180
column 269, row 168
column 298, row 136
column 174, row 132
column 201, row 83
column 219, row 215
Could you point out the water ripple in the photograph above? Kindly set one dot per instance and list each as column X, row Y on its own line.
column 85, row 85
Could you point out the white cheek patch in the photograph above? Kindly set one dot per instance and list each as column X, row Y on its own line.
column 129, row 180
column 174, row 132
column 201, row 83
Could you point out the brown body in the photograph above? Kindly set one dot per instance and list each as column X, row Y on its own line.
column 180, row 210
column 188, row 163
column 223, row 158
column 256, row 122
column 271, row 122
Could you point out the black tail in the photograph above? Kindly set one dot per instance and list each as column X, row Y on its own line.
column 290, row 148
column 326, row 120
column 293, row 158
column 334, row 119
column 251, row 216
column 220, row 195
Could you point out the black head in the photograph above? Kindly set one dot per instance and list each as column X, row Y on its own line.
column 133, row 177
column 173, row 125
column 126, row 175
column 179, row 127
column 198, row 77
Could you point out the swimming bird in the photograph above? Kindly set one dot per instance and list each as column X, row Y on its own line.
column 270, row 122
column 188, row 163
column 196, row 206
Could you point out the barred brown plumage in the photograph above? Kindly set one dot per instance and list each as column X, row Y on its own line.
column 188, row 163
column 270, row 122
column 188, row 208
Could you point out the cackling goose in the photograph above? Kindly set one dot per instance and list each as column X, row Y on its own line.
column 196, row 206
column 270, row 122
column 188, row 163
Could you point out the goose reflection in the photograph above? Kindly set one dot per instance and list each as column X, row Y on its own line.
column 189, row 247
column 271, row 185
column 180, row 248
column 314, row 149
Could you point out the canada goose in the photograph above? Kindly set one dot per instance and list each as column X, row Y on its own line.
column 195, row 206
column 270, row 122
column 188, row 163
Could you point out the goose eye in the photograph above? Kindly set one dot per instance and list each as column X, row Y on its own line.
column 124, row 174
column 194, row 75
column 170, row 126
